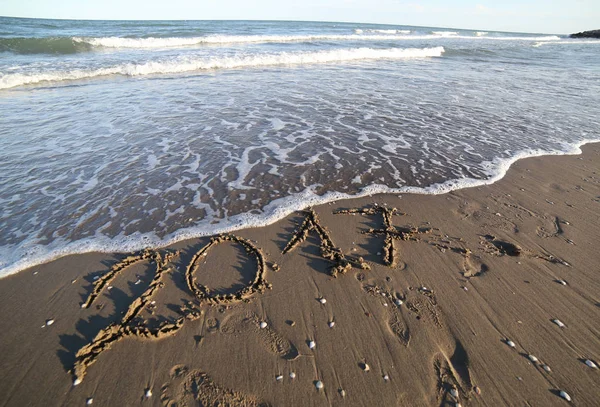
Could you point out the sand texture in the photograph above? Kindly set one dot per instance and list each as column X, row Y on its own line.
column 487, row 296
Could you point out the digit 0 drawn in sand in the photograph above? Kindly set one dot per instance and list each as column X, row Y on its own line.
column 203, row 293
column 341, row 263
column 273, row 341
column 116, row 331
column 196, row 388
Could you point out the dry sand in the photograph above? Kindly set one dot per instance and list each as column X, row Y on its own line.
column 424, row 305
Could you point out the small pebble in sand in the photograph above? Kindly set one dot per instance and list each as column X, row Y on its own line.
column 148, row 393
column 454, row 392
column 49, row 322
column 547, row 368
column 533, row 358
column 565, row 395
column 342, row 392
column 591, row 364
column 292, row 375
column 263, row 325
column 77, row 382
column 510, row 343
column 331, row 324
column 89, row 401
column 322, row 300
column 466, row 288
column 385, row 304
column 386, row 378
column 279, row 377
column 365, row 367
column 558, row 322
column 319, row 385
column 96, row 278
column 312, row 344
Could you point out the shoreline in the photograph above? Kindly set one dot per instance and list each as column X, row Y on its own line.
column 461, row 306
column 277, row 210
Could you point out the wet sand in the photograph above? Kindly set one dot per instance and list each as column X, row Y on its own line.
column 483, row 296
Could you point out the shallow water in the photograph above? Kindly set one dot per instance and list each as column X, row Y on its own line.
column 122, row 135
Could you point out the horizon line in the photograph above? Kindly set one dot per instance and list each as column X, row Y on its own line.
column 278, row 20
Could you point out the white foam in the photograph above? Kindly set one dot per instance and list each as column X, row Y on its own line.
column 481, row 33
column 170, row 42
column 445, row 33
column 567, row 42
column 182, row 65
column 20, row 257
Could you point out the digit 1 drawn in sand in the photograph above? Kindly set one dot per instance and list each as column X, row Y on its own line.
column 88, row 354
column 341, row 263
column 203, row 293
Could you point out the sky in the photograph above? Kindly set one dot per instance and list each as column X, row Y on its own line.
column 536, row 16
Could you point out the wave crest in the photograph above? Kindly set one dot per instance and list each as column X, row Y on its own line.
column 182, row 65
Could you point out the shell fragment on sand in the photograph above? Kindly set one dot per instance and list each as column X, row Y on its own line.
column 533, row 358
column 342, row 392
column 89, row 401
column 386, row 378
column 331, row 324
column 77, row 382
column 565, row 395
column 292, row 375
column 319, row 385
column 279, row 377
column 148, row 393
column 559, row 323
column 591, row 364
column 398, row 302
column 49, row 322
column 312, row 344
column 365, row 367
column 263, row 325
column 510, row 343
column 454, row 392
column 547, row 368
column 322, row 300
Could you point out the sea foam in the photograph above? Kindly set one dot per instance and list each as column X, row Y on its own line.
column 191, row 64
column 15, row 259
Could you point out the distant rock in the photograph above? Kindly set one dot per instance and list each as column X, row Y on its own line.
column 587, row 34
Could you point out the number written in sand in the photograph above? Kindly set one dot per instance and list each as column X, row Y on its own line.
column 128, row 327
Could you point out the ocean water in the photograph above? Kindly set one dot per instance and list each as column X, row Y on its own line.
column 118, row 135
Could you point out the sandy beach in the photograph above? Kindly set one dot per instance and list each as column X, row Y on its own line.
column 486, row 296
